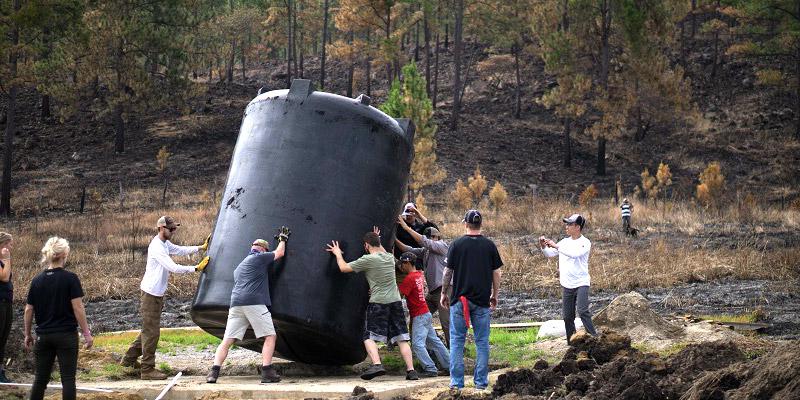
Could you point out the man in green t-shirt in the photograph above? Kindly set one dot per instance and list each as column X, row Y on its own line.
column 386, row 320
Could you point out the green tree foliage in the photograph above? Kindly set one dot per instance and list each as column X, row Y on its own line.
column 408, row 99
column 770, row 30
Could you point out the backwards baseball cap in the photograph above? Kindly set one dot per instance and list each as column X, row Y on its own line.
column 431, row 231
column 167, row 222
column 407, row 208
column 408, row 257
column 472, row 217
column 575, row 219
column 261, row 242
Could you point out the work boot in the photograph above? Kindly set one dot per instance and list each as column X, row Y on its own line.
column 411, row 375
column 269, row 375
column 213, row 374
column 373, row 371
column 130, row 363
column 429, row 374
column 152, row 374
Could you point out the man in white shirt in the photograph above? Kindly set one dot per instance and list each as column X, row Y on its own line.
column 573, row 272
column 154, row 285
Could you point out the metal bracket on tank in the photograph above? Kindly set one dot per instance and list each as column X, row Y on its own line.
column 301, row 88
column 408, row 128
column 363, row 99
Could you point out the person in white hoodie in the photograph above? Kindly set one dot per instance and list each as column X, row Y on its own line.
column 153, row 286
column 573, row 271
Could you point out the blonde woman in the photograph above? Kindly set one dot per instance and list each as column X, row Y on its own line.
column 6, row 298
column 55, row 298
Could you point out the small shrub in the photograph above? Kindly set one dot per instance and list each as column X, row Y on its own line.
column 477, row 184
column 498, row 195
column 587, row 197
column 461, row 196
column 649, row 184
column 712, row 185
column 162, row 158
column 663, row 177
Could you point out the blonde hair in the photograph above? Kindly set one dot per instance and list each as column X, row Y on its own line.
column 5, row 238
column 55, row 250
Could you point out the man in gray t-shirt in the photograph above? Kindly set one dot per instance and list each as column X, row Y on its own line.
column 249, row 306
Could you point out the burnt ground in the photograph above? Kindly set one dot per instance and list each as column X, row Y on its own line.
column 746, row 127
column 607, row 367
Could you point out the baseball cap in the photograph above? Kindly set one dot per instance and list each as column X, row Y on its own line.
column 575, row 219
column 167, row 222
column 408, row 257
column 431, row 231
column 261, row 242
column 407, row 207
column 472, row 217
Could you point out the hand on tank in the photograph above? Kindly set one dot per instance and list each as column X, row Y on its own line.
column 334, row 248
column 202, row 265
column 204, row 246
column 283, row 234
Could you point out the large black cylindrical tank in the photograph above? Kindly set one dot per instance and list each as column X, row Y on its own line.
column 329, row 167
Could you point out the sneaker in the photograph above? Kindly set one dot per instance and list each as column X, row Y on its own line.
column 429, row 374
column 444, row 372
column 373, row 371
column 480, row 388
column 412, row 375
column 269, row 375
column 213, row 374
column 153, row 375
column 130, row 363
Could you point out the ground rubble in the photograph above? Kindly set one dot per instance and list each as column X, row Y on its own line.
column 607, row 367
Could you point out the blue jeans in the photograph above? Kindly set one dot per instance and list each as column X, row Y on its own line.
column 423, row 335
column 479, row 317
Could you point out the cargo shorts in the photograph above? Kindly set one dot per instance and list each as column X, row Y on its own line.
column 242, row 317
column 386, row 323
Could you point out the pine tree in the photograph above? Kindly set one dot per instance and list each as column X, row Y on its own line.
column 409, row 99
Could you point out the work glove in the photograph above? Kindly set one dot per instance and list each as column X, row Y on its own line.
column 204, row 246
column 203, row 263
column 283, row 234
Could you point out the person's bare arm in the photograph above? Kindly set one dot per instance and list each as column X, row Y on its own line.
column 496, row 275
column 5, row 272
column 280, row 251
column 27, row 325
column 80, row 316
column 444, row 301
column 402, row 246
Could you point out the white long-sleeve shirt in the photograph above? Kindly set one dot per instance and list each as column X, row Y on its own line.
column 160, row 264
column 573, row 261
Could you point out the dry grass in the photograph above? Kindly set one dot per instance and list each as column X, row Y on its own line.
column 676, row 245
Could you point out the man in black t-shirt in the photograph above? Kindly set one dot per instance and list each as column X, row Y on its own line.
column 473, row 267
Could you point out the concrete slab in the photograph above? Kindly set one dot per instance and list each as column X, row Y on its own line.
column 249, row 387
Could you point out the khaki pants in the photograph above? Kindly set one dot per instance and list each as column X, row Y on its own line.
column 147, row 341
column 432, row 299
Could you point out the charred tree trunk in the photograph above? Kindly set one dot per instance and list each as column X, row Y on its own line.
column 231, row 61
column 48, row 50
column 601, row 156
column 427, row 34
column 435, row 73
column 458, row 30
column 567, row 145
column 416, row 42
column 324, row 40
column 518, row 88
column 289, row 44
column 350, row 68
column 605, row 54
column 11, row 111
column 368, row 70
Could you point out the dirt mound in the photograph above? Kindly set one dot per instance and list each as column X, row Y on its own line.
column 775, row 375
column 631, row 313
column 607, row 367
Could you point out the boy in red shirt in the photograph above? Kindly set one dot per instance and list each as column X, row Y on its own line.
column 422, row 332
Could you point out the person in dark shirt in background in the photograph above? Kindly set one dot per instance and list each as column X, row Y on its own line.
column 6, row 299
column 418, row 223
column 55, row 298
